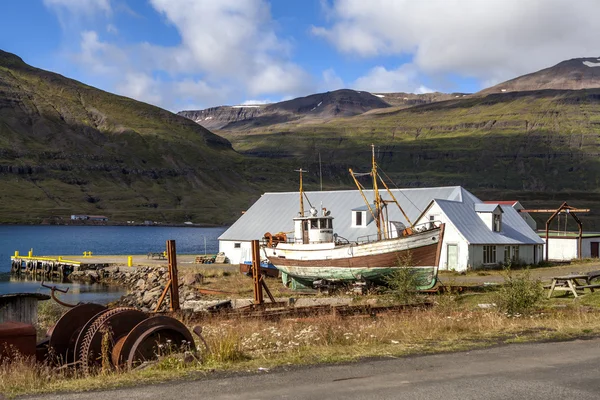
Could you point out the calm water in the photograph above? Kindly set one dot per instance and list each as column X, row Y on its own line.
column 101, row 240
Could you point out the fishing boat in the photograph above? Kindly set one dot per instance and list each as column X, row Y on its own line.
column 316, row 255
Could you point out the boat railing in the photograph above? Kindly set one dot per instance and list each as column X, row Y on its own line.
column 416, row 229
column 291, row 240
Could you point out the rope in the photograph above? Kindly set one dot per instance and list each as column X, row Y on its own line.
column 401, row 192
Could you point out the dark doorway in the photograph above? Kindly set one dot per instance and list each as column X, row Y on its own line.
column 594, row 249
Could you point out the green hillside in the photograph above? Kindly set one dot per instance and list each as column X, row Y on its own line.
column 539, row 147
column 68, row 148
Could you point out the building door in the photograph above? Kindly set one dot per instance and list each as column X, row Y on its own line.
column 452, row 260
column 595, row 249
column 305, row 232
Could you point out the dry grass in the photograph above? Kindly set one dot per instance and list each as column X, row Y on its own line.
column 454, row 323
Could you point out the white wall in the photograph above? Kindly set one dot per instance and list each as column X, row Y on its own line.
column 561, row 249
column 451, row 236
column 565, row 249
column 526, row 253
column 486, row 217
column 528, row 218
column 236, row 255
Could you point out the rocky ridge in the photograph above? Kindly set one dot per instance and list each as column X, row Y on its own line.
column 339, row 103
column 574, row 74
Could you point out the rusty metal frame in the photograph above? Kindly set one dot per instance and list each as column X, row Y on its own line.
column 258, row 279
column 173, row 283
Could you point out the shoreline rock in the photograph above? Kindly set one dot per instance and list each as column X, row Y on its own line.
column 145, row 285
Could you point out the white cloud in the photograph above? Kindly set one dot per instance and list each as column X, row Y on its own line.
column 122, row 70
column 256, row 102
column 232, row 39
column 331, row 81
column 110, row 28
column 490, row 40
column 80, row 6
column 227, row 48
column 381, row 80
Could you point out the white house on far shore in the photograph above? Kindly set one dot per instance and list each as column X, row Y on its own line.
column 477, row 234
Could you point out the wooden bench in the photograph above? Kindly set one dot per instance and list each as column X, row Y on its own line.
column 591, row 287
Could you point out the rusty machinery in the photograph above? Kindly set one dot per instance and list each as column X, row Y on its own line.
column 88, row 332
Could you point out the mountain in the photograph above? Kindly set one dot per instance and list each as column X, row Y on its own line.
column 574, row 74
column 68, row 148
column 321, row 106
column 541, row 147
column 401, row 99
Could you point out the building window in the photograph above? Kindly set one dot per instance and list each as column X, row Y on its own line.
column 431, row 219
column 358, row 219
column 497, row 222
column 515, row 253
column 507, row 254
column 237, row 245
column 489, row 254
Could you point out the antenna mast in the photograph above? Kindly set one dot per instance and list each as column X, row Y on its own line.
column 378, row 213
column 320, row 172
column 301, row 192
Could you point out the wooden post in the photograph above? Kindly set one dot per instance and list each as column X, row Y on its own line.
column 172, row 256
column 258, row 288
column 173, row 284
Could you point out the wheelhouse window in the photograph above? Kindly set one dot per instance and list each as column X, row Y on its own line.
column 325, row 223
column 237, row 245
column 489, row 254
column 314, row 224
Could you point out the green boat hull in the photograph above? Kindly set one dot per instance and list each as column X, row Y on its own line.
column 303, row 278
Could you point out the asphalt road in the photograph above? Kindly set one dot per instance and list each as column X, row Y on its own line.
column 566, row 370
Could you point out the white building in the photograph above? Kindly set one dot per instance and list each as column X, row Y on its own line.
column 476, row 234
column 566, row 248
column 517, row 206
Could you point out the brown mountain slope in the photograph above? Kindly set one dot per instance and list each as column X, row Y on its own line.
column 574, row 74
column 321, row 106
column 68, row 148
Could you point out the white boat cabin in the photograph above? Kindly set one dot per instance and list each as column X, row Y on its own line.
column 314, row 228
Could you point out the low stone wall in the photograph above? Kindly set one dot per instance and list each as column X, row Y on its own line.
column 145, row 285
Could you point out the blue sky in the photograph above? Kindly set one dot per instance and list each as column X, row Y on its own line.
column 191, row 54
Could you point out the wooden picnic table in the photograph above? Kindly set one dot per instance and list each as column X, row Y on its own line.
column 159, row 255
column 571, row 283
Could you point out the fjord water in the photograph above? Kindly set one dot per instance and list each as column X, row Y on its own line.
column 101, row 240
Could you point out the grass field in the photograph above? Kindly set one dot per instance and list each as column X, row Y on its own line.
column 455, row 322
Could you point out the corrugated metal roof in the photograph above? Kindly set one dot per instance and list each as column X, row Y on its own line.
column 274, row 212
column 483, row 207
column 514, row 228
column 502, row 202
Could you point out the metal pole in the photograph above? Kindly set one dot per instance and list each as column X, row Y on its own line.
column 320, row 172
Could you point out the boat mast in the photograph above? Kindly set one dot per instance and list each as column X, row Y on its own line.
column 378, row 212
column 301, row 192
